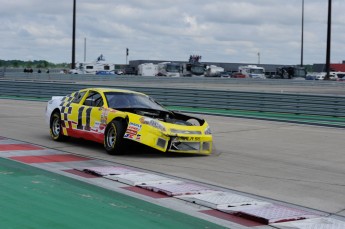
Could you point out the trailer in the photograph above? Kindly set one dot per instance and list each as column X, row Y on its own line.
column 252, row 71
column 147, row 69
column 213, row 71
column 99, row 65
column 289, row 72
column 194, row 67
column 169, row 69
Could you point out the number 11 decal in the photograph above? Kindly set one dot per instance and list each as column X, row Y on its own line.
column 80, row 119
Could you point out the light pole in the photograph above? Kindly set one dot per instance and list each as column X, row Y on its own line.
column 328, row 51
column 302, row 33
column 258, row 57
column 127, row 50
column 73, row 36
column 84, row 49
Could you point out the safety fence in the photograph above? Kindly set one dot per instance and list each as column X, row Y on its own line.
column 170, row 80
column 300, row 104
column 2, row 72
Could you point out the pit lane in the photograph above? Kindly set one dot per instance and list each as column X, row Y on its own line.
column 293, row 163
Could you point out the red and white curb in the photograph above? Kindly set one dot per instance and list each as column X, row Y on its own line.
column 220, row 206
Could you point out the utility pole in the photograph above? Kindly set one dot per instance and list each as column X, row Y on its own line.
column 127, row 55
column 73, row 36
column 328, row 51
column 84, row 49
column 302, row 36
column 258, row 57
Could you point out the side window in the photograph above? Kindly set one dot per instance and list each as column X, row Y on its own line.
column 78, row 97
column 94, row 99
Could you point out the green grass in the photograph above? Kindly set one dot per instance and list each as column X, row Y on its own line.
column 34, row 198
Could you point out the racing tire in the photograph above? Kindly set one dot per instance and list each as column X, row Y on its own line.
column 113, row 137
column 55, row 127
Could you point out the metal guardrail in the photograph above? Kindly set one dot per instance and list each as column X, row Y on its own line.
column 2, row 72
column 169, row 80
column 330, row 106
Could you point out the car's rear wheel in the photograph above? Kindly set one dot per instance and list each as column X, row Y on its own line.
column 55, row 127
column 113, row 137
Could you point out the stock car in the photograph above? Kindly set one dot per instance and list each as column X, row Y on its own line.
column 112, row 116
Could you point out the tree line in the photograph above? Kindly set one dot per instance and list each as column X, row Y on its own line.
column 31, row 64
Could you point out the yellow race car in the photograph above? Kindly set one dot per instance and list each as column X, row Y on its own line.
column 109, row 116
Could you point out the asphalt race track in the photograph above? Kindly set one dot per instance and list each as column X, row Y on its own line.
column 297, row 164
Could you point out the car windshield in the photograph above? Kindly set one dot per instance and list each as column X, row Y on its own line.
column 120, row 100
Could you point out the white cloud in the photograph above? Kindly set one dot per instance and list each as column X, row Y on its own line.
column 219, row 30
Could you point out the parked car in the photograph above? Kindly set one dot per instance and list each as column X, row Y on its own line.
column 320, row 75
column 225, row 74
column 105, row 73
column 311, row 76
column 130, row 71
column 238, row 75
column 119, row 72
column 341, row 78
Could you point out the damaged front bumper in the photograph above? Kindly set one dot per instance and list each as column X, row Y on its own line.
column 186, row 144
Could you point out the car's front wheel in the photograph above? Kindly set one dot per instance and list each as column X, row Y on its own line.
column 55, row 127
column 113, row 137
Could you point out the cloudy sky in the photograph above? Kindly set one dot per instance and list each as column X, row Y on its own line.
column 218, row 30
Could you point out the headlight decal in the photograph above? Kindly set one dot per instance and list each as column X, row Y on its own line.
column 152, row 122
column 175, row 131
